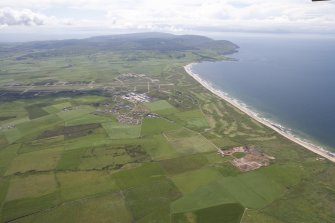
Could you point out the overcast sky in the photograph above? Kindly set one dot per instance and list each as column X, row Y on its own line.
column 90, row 17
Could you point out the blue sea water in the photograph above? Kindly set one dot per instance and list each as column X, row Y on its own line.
column 288, row 80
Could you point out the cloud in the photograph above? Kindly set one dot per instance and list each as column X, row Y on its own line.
column 26, row 17
column 45, row 4
column 176, row 15
column 252, row 15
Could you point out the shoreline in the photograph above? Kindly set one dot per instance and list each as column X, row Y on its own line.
column 274, row 126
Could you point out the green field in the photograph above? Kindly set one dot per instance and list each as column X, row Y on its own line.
column 117, row 131
column 159, row 148
column 193, row 119
column 74, row 114
column 190, row 181
column 88, row 119
column 89, row 99
column 75, row 185
column 188, row 142
column 6, row 157
column 228, row 213
column 107, row 208
column 150, row 201
column 184, row 163
column 161, row 107
column 253, row 191
column 12, row 135
column 35, row 161
column 153, row 126
column 75, row 148
column 42, row 144
column 57, row 107
column 35, row 111
column 206, row 196
column 24, row 207
column 145, row 173
column 31, row 186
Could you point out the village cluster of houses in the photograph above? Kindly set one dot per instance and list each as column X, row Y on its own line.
column 131, row 75
column 135, row 97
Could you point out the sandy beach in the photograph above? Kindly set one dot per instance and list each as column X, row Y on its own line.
column 276, row 127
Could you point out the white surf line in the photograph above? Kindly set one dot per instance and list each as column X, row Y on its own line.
column 311, row 147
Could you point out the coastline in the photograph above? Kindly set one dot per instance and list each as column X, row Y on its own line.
column 279, row 129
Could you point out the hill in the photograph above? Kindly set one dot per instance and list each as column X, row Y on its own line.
column 143, row 41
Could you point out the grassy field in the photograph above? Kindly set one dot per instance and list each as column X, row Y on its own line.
column 117, row 131
column 206, row 196
column 88, row 119
column 193, row 119
column 228, row 213
column 145, row 173
column 190, row 181
column 12, row 135
column 159, row 148
column 184, row 163
column 153, row 126
column 42, row 142
column 6, row 157
column 106, row 208
column 89, row 99
column 68, row 152
column 35, row 111
column 251, row 193
column 57, row 107
column 150, row 201
column 74, row 114
column 70, row 159
column 189, row 142
column 23, row 207
column 31, row 186
column 161, row 107
column 75, row 185
column 35, row 161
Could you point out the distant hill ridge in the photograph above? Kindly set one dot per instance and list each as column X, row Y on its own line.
column 154, row 41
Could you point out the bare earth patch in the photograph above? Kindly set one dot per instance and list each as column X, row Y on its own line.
column 252, row 160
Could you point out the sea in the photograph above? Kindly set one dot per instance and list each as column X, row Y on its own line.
column 288, row 80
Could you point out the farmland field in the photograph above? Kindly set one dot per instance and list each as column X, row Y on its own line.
column 31, row 186
column 35, row 161
column 188, row 182
column 153, row 126
column 229, row 213
column 162, row 107
column 116, row 131
column 188, row 142
column 193, row 118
